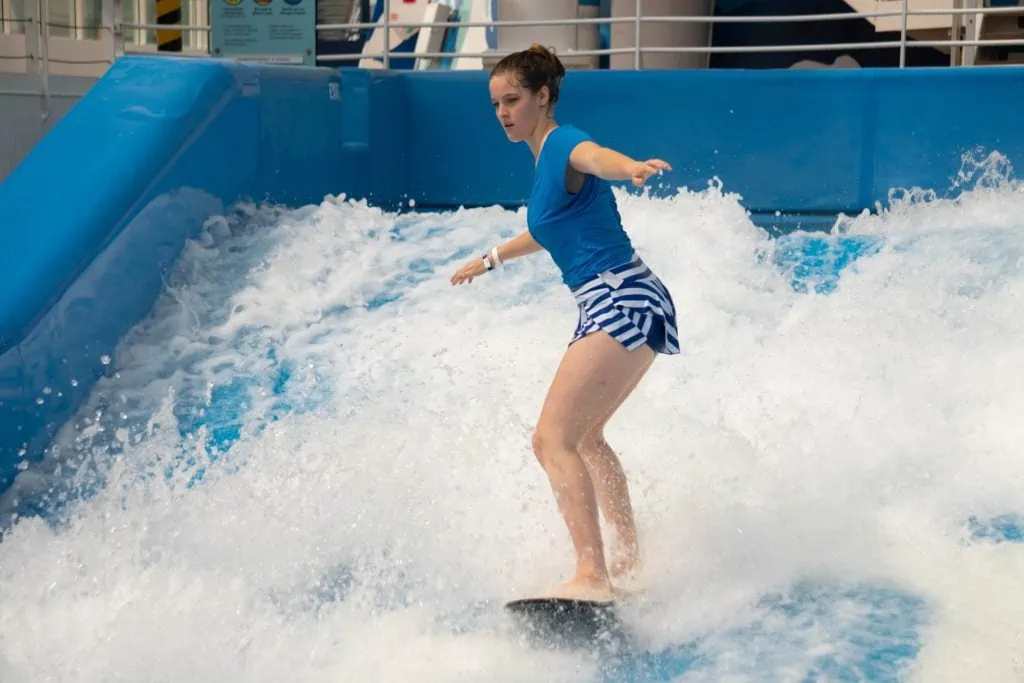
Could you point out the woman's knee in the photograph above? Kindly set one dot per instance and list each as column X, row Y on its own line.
column 549, row 440
column 593, row 441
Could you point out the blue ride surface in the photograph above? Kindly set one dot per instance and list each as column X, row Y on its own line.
column 159, row 145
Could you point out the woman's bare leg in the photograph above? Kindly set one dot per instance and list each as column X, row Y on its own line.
column 594, row 376
column 612, row 487
column 612, row 492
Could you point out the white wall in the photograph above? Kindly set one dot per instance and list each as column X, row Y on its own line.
column 662, row 34
column 27, row 114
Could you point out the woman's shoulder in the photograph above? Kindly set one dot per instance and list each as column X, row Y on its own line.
column 562, row 141
column 570, row 132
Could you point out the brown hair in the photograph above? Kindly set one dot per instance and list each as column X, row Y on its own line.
column 534, row 68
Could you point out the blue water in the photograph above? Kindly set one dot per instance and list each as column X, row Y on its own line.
column 874, row 634
column 312, row 461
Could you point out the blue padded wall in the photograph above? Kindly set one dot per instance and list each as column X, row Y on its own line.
column 798, row 141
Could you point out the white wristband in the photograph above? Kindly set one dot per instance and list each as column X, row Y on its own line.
column 494, row 256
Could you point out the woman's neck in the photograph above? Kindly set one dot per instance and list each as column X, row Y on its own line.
column 540, row 134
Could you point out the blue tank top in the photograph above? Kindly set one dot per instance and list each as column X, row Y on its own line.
column 583, row 231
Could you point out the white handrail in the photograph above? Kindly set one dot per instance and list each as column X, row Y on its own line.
column 497, row 23
column 724, row 49
column 755, row 19
column 904, row 12
column 154, row 27
column 492, row 53
column 682, row 19
column 526, row 23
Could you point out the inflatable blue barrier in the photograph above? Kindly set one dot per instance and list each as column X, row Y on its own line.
column 154, row 149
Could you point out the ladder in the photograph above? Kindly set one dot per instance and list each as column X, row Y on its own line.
column 1001, row 27
column 949, row 26
column 336, row 12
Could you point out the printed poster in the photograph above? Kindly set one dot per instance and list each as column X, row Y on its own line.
column 268, row 31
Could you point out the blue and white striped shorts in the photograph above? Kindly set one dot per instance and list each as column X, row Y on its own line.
column 631, row 304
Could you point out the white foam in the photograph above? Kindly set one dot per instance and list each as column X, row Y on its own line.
column 830, row 441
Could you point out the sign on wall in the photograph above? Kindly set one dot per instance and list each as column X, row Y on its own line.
column 269, row 31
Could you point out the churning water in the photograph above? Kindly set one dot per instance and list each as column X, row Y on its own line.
column 312, row 461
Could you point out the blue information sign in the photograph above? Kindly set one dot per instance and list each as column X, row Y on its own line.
column 277, row 31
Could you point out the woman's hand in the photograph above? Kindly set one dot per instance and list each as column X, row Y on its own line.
column 473, row 268
column 645, row 169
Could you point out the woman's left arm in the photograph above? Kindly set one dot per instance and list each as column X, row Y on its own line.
column 590, row 157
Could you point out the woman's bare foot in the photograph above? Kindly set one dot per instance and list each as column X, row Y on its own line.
column 583, row 588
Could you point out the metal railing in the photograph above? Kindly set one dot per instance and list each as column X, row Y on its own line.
column 36, row 39
column 904, row 12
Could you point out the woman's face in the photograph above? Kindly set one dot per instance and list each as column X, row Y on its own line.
column 518, row 110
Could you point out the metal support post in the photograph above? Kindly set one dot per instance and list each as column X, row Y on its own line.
column 387, row 34
column 636, row 36
column 168, row 13
column 903, row 36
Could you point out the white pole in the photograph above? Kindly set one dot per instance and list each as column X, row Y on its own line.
column 387, row 33
column 903, row 36
column 636, row 37
column 44, row 42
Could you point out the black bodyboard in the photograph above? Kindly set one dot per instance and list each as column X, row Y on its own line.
column 569, row 623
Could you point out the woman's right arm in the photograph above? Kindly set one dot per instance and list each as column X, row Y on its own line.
column 521, row 245
column 517, row 246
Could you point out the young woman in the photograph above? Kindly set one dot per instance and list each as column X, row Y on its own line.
column 626, row 314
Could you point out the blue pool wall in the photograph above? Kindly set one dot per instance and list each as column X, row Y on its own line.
column 796, row 141
column 161, row 144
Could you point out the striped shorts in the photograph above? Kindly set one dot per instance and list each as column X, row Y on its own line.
column 631, row 304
